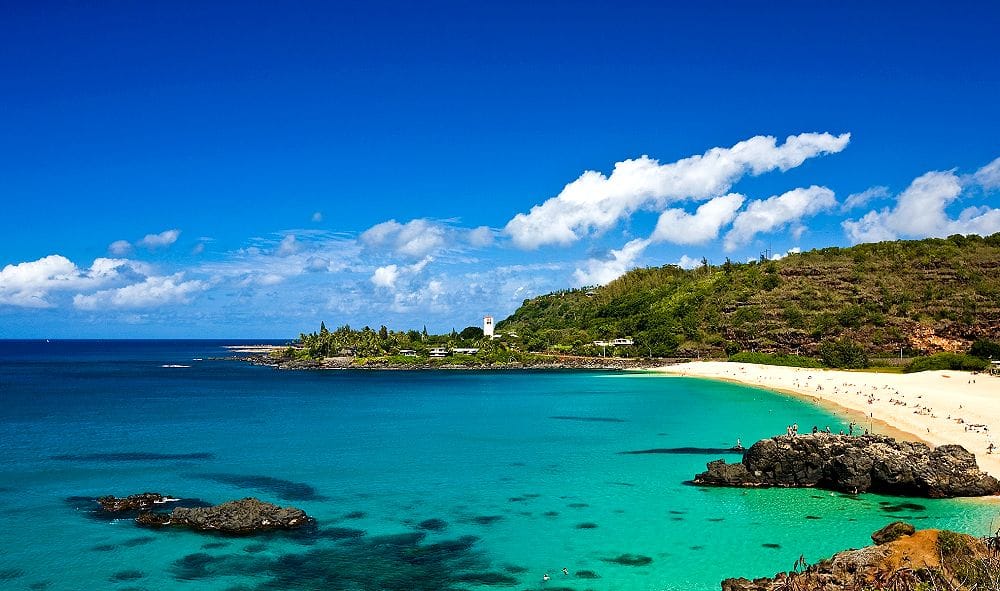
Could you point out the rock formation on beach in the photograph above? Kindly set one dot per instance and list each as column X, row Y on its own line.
column 926, row 559
column 850, row 464
column 245, row 516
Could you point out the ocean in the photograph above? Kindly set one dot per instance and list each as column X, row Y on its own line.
column 418, row 480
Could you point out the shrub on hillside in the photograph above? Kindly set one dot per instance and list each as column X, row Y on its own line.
column 952, row 361
column 984, row 349
column 843, row 353
column 775, row 359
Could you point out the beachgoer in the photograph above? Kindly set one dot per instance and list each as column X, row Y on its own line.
column 828, row 429
column 815, row 429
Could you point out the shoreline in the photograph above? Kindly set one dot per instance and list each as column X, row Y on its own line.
column 937, row 408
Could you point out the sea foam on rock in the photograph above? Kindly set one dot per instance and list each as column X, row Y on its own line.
column 855, row 464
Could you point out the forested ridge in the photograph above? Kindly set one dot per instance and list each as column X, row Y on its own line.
column 920, row 296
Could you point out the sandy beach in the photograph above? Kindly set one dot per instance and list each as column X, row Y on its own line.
column 938, row 407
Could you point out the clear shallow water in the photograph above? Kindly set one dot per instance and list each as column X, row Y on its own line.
column 519, row 493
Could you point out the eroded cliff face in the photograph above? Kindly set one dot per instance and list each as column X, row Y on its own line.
column 852, row 464
column 927, row 559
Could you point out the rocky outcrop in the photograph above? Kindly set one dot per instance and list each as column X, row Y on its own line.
column 892, row 532
column 241, row 517
column 139, row 502
column 927, row 559
column 855, row 464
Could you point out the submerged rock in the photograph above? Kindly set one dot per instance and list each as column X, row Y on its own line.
column 855, row 464
column 241, row 517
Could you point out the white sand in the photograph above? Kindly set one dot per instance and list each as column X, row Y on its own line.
column 938, row 407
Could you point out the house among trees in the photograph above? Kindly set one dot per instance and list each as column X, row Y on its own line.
column 407, row 352
column 438, row 352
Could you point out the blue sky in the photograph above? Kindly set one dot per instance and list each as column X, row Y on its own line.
column 247, row 170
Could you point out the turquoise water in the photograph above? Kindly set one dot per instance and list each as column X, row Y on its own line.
column 516, row 493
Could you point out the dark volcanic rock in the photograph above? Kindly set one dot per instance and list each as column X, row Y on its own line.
column 893, row 532
column 855, row 464
column 241, row 517
column 139, row 502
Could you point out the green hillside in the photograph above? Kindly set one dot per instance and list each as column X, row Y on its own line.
column 922, row 296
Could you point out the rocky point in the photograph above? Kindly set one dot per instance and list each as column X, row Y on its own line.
column 855, row 464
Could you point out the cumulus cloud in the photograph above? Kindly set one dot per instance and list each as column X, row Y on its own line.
column 602, row 271
column 416, row 238
column 688, row 263
column 161, row 240
column 856, row 200
column 920, row 211
column 287, row 247
column 680, row 227
column 777, row 212
column 480, row 237
column 594, row 202
column 120, row 247
column 387, row 275
column 777, row 256
column 989, row 176
column 151, row 292
column 29, row 284
column 317, row 216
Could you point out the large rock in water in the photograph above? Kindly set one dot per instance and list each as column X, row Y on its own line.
column 855, row 464
column 241, row 517
column 139, row 502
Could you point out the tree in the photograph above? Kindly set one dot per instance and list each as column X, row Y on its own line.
column 383, row 333
column 984, row 349
column 470, row 333
column 843, row 353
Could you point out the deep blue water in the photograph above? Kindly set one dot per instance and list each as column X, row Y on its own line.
column 512, row 474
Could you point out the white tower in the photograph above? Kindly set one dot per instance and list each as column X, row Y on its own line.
column 488, row 326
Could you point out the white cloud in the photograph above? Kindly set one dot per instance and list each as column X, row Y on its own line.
column 163, row 239
column 680, row 227
column 151, row 292
column 856, row 200
column 29, row 284
column 198, row 248
column 920, row 211
column 288, row 246
column 594, row 202
column 688, row 263
column 777, row 256
column 600, row 272
column 120, row 247
column 989, row 176
column 317, row 216
column 480, row 237
column 416, row 238
column 777, row 212
column 386, row 276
